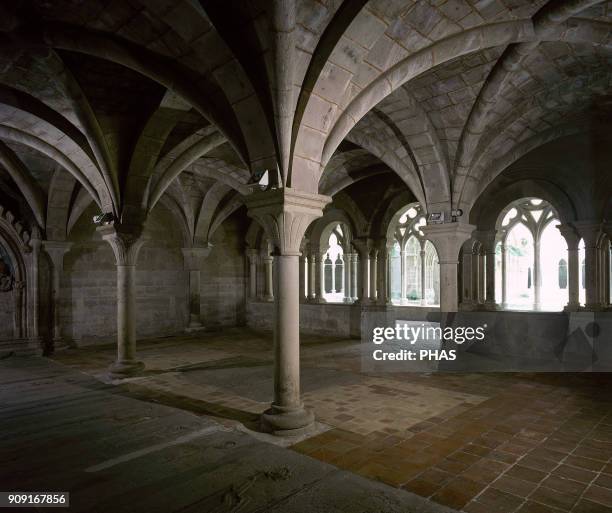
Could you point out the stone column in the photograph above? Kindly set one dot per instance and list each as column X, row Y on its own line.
column 268, row 262
column 126, row 246
column 382, row 273
column 590, row 231
column 302, row 274
column 537, row 275
column 373, row 275
column 468, row 271
column 346, row 257
column 319, row 257
column 504, row 275
column 403, row 299
column 354, row 276
column 312, row 277
column 364, row 247
column 573, row 266
column 422, row 259
column 481, row 276
column 252, row 256
column 34, row 292
column 56, row 251
column 488, row 240
column 447, row 239
column 285, row 215
column 193, row 260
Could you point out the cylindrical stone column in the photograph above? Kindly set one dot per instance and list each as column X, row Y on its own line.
column 126, row 246
column 373, row 268
column 490, row 278
column 194, row 299
column 504, row 275
column 403, row 280
column 354, row 277
column 285, row 216
column 537, row 276
column 34, row 324
column 252, row 256
column 346, row 257
column 56, row 251
column 268, row 293
column 423, row 289
column 303, row 293
column 312, row 276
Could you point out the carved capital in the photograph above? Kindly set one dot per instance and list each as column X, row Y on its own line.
column 590, row 231
column 285, row 214
column 125, row 244
column 193, row 258
column 448, row 239
column 56, row 249
column 571, row 236
column 364, row 246
column 487, row 238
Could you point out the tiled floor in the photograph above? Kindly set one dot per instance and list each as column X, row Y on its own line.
column 480, row 443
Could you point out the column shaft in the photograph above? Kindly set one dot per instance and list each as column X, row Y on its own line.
column 373, row 284
column 423, row 289
column 504, row 276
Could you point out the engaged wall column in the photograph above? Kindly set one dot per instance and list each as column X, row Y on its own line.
column 56, row 251
column 193, row 260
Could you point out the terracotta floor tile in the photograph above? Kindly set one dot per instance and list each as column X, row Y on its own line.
column 599, row 495
column 554, row 498
column 514, row 486
column 538, row 463
column 422, row 487
column 589, row 464
column 498, row 502
column 525, row 473
column 575, row 473
column 587, row 506
column 536, row 507
column 604, row 480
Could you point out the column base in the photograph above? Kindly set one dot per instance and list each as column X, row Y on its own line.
column 268, row 299
column 491, row 307
column 287, row 422
column 319, row 301
column 60, row 344
column 125, row 369
column 570, row 307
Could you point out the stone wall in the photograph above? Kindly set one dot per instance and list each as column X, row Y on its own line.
column 334, row 320
column 222, row 282
column 7, row 315
column 89, row 307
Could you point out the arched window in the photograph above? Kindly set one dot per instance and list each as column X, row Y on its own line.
column 535, row 257
column 413, row 261
column 333, row 267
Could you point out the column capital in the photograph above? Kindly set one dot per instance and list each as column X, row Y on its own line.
column 285, row 214
column 193, row 258
column 590, row 231
column 487, row 238
column 571, row 236
column 56, row 249
column 363, row 245
column 125, row 243
column 448, row 239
